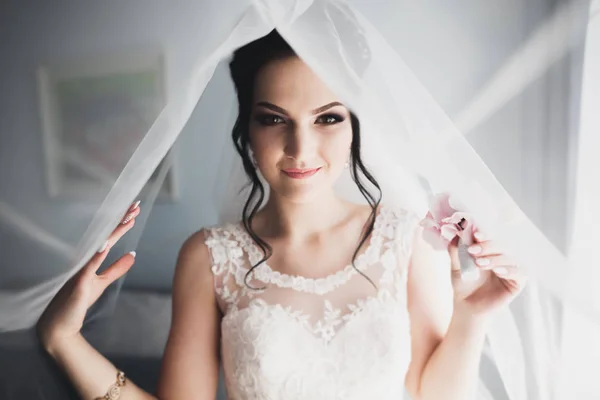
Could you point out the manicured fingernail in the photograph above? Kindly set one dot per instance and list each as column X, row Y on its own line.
column 131, row 210
column 475, row 249
column 104, row 246
column 483, row 261
column 479, row 236
column 500, row 271
column 127, row 219
column 133, row 253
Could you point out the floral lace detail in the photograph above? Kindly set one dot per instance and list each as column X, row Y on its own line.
column 302, row 338
column 270, row 352
column 394, row 281
column 227, row 262
column 333, row 320
column 223, row 250
column 384, row 231
column 227, row 245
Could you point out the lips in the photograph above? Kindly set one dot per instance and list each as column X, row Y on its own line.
column 297, row 173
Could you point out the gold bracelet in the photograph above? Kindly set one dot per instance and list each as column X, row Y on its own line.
column 114, row 392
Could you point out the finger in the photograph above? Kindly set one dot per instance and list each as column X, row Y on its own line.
column 96, row 261
column 490, row 262
column 511, row 277
column 132, row 212
column 509, row 272
column 479, row 236
column 484, row 248
column 98, row 258
column 126, row 224
column 454, row 259
column 129, row 216
column 117, row 269
column 121, row 230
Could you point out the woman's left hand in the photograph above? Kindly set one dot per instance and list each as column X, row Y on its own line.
column 63, row 317
column 500, row 279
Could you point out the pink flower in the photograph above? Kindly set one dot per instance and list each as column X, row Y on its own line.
column 445, row 220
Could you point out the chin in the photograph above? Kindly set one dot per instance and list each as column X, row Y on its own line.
column 302, row 193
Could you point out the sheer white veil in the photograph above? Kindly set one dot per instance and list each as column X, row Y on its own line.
column 409, row 144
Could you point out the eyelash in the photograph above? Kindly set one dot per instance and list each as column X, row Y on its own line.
column 268, row 119
column 336, row 119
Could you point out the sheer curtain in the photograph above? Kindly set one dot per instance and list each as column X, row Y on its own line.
column 580, row 360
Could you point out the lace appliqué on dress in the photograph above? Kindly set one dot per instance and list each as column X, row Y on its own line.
column 300, row 338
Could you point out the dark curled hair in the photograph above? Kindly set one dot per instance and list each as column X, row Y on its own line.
column 244, row 67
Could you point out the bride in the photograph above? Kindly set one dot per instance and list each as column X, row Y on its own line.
column 309, row 296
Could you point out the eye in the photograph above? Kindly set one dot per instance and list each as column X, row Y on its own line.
column 269, row 119
column 330, row 119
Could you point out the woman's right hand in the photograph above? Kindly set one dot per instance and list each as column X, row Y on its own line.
column 63, row 318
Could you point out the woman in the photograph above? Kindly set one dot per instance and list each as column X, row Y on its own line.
column 271, row 292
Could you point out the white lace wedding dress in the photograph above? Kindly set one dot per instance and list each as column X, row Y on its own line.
column 332, row 338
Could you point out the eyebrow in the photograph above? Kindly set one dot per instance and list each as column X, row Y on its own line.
column 280, row 110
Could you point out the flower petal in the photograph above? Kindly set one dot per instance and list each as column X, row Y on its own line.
column 439, row 206
column 455, row 203
column 457, row 217
column 449, row 232
column 430, row 224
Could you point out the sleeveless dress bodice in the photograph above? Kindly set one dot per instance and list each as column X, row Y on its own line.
column 337, row 337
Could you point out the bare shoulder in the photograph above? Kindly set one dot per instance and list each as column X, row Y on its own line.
column 195, row 245
column 194, row 262
column 194, row 250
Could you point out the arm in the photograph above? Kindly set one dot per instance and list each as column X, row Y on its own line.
column 89, row 371
column 190, row 363
column 446, row 345
column 190, row 368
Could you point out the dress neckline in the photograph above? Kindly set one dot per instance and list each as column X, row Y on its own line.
column 266, row 274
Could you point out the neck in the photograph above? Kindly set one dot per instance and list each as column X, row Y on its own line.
column 298, row 221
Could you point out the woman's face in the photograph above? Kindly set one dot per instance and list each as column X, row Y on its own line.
column 300, row 132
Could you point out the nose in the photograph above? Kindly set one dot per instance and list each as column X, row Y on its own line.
column 301, row 143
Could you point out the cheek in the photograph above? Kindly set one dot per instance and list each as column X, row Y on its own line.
column 264, row 143
column 338, row 145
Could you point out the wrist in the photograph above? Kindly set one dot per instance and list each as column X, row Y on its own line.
column 478, row 322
